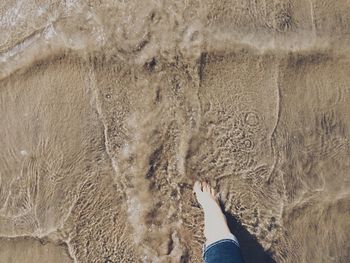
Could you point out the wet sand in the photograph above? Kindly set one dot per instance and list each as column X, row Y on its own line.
column 110, row 110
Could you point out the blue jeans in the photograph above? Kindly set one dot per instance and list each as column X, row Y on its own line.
column 223, row 251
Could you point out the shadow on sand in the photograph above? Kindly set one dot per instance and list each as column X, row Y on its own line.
column 251, row 250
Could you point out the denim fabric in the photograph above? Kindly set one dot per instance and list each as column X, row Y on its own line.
column 223, row 251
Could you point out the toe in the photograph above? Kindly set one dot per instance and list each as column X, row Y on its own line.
column 205, row 187
column 197, row 187
column 213, row 192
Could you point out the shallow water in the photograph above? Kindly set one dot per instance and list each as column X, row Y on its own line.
column 111, row 109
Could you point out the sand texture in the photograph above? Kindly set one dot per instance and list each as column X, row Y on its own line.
column 109, row 110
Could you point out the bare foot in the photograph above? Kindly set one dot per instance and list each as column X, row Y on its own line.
column 215, row 225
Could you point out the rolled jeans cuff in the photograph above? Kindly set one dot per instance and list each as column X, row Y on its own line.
column 229, row 237
column 223, row 251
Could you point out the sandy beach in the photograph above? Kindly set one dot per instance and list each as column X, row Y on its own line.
column 110, row 110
